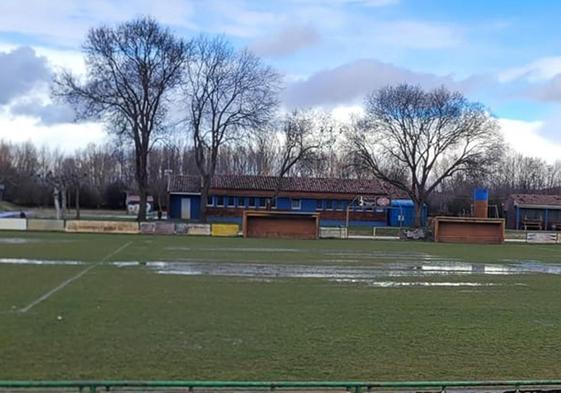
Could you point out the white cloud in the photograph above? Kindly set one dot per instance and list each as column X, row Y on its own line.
column 526, row 137
column 67, row 136
column 345, row 113
column 536, row 71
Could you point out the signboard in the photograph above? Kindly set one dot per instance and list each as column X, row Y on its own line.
column 383, row 201
column 541, row 237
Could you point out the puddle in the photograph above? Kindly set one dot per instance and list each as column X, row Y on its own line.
column 404, row 269
column 523, row 267
column 370, row 274
column 329, row 254
column 22, row 240
column 397, row 284
column 125, row 264
column 16, row 240
column 238, row 249
column 23, row 261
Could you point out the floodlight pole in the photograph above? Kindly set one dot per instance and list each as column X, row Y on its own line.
column 347, row 215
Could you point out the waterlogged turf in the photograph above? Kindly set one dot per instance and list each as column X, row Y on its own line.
column 205, row 308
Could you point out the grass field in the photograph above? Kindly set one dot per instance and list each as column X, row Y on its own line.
column 248, row 309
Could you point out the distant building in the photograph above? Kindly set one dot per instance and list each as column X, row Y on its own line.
column 230, row 195
column 533, row 212
column 2, row 189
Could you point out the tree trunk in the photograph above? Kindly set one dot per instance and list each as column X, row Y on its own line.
column 56, row 195
column 142, row 204
column 205, row 187
column 77, row 202
column 63, row 203
column 418, row 213
column 142, row 181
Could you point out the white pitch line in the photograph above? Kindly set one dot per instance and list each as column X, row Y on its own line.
column 48, row 294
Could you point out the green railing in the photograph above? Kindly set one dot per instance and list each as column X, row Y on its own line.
column 353, row 386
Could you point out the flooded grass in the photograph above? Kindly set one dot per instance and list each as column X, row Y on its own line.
column 172, row 307
column 129, row 323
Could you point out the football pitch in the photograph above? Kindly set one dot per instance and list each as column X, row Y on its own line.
column 84, row 306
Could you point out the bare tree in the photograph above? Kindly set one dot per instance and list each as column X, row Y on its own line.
column 303, row 135
column 414, row 139
column 131, row 70
column 229, row 93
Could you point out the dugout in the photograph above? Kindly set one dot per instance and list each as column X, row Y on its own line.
column 283, row 225
column 469, row 230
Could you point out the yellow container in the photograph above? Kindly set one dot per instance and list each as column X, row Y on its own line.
column 225, row 230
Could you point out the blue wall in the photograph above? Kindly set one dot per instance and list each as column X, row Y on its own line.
column 398, row 207
column 175, row 206
column 405, row 208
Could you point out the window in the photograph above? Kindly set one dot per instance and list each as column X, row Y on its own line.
column 319, row 204
column 220, row 201
column 262, row 202
column 210, row 200
column 231, row 201
column 328, row 204
column 343, row 205
column 273, row 203
column 251, row 202
column 296, row 204
column 241, row 202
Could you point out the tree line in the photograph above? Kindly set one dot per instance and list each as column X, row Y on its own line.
column 203, row 107
column 107, row 173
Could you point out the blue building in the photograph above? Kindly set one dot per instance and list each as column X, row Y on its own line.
column 367, row 202
column 402, row 213
column 533, row 211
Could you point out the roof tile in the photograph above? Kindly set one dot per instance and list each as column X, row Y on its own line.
column 182, row 183
column 536, row 199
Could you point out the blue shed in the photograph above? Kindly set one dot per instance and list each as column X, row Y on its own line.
column 402, row 213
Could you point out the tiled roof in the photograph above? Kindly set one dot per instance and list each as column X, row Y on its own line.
column 288, row 184
column 536, row 199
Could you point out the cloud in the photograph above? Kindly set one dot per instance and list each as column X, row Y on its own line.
column 351, row 82
column 539, row 80
column 288, row 40
column 67, row 136
column 47, row 113
column 538, row 70
column 527, row 138
column 21, row 70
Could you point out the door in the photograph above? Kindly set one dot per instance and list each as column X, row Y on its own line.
column 186, row 208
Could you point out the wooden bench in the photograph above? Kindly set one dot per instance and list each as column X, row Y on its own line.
column 532, row 223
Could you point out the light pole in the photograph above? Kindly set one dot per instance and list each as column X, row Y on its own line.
column 357, row 197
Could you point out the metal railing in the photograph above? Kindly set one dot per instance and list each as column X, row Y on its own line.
column 352, row 386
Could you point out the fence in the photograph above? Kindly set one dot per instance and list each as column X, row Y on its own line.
column 129, row 227
column 352, row 386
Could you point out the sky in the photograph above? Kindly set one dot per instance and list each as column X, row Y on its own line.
column 330, row 53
